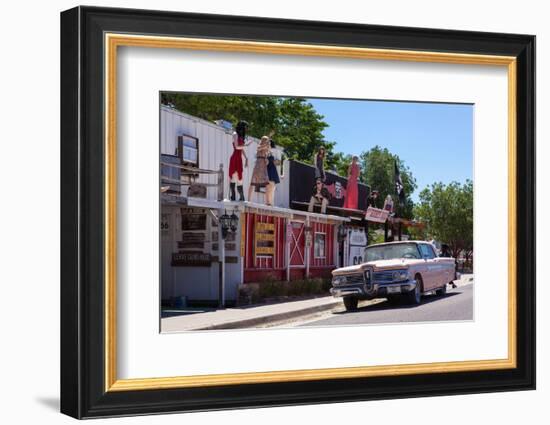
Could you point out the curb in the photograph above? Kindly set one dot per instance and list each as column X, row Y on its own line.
column 272, row 318
column 464, row 281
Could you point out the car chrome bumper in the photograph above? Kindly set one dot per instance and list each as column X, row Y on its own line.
column 372, row 290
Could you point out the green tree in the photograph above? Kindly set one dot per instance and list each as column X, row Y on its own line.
column 339, row 162
column 300, row 129
column 374, row 234
column 297, row 125
column 448, row 211
column 418, row 233
column 377, row 170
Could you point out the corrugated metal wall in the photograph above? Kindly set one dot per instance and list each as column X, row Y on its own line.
column 197, row 283
column 215, row 148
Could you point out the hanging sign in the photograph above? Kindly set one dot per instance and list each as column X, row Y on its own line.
column 376, row 215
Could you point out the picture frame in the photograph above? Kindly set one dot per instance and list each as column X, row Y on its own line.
column 90, row 39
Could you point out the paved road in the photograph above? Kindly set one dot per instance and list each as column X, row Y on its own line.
column 457, row 304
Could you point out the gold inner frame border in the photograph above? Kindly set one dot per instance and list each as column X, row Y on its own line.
column 113, row 40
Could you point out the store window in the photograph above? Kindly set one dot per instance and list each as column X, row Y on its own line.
column 319, row 245
column 170, row 171
column 188, row 150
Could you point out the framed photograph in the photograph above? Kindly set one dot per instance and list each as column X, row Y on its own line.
column 261, row 212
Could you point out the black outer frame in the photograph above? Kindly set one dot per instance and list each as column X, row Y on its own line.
column 82, row 212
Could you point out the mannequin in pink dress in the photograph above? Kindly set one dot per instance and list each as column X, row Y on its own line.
column 352, row 191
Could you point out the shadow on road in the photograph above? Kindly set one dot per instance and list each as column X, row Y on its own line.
column 401, row 304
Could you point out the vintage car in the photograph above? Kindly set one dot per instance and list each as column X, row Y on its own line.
column 394, row 270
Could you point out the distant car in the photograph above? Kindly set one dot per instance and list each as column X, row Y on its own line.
column 394, row 270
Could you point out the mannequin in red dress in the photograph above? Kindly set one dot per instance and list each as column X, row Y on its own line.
column 236, row 160
column 352, row 191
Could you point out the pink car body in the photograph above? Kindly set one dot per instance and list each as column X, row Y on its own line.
column 406, row 269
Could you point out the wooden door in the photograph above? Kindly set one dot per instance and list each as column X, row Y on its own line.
column 297, row 245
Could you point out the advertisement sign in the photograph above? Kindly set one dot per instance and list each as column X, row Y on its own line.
column 357, row 237
column 302, row 181
column 355, row 255
column 376, row 215
column 193, row 219
column 357, row 243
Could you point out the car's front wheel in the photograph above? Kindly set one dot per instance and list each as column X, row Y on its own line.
column 351, row 303
column 415, row 296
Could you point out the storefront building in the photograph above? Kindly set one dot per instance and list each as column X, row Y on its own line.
column 203, row 264
column 267, row 243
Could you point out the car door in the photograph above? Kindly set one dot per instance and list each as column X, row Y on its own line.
column 430, row 278
column 446, row 272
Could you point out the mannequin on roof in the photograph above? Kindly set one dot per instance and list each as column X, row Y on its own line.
column 236, row 160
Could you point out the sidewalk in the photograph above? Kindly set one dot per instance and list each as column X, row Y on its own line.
column 246, row 316
column 465, row 279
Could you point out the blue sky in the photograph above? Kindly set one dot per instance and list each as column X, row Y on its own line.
column 435, row 140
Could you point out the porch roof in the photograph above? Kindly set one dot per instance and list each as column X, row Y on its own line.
column 247, row 206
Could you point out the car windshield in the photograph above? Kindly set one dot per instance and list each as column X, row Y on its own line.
column 389, row 252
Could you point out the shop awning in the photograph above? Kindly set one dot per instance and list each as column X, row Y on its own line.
column 250, row 207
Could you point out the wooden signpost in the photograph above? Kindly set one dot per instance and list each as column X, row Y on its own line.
column 264, row 239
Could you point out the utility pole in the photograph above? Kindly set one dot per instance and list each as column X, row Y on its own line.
column 221, row 262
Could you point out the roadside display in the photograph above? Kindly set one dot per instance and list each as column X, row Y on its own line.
column 357, row 243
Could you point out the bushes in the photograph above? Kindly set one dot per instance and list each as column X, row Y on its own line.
column 270, row 289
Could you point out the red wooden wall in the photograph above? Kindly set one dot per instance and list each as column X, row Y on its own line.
column 261, row 267
column 321, row 267
column 258, row 268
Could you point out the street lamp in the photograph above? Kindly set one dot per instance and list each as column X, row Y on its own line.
column 233, row 222
column 225, row 223
column 228, row 223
